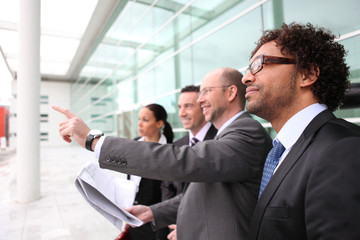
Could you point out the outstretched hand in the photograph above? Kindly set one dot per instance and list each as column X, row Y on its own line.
column 73, row 127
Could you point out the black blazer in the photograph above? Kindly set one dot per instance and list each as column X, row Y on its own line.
column 149, row 190
column 149, row 193
column 315, row 193
column 170, row 189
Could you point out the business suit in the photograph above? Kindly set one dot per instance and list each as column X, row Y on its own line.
column 225, row 172
column 171, row 189
column 165, row 212
column 315, row 192
column 149, row 193
column 149, row 190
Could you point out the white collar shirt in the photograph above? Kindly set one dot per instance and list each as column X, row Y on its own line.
column 201, row 134
column 294, row 127
column 162, row 139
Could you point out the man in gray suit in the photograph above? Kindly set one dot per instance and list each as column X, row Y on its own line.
column 225, row 172
column 192, row 119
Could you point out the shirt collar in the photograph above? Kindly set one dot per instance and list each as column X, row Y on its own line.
column 228, row 122
column 295, row 126
column 201, row 134
column 162, row 139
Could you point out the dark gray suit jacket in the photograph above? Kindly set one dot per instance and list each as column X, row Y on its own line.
column 170, row 189
column 315, row 192
column 225, row 172
column 165, row 212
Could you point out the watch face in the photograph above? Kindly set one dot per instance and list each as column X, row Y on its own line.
column 95, row 132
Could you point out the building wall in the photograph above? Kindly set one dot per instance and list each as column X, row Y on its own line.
column 150, row 52
column 52, row 93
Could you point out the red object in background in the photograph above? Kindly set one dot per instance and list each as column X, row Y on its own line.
column 125, row 234
column 4, row 124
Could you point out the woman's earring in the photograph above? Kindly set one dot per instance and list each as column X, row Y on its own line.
column 162, row 129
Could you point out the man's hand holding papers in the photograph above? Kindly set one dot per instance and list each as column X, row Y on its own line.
column 108, row 195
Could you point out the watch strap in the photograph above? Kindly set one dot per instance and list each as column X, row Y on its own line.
column 90, row 138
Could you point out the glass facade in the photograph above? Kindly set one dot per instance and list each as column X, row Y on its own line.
column 151, row 49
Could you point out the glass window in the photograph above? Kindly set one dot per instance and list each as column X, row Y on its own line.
column 151, row 51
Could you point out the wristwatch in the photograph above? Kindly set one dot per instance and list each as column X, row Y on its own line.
column 94, row 133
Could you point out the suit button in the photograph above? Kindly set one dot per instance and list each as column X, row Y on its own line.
column 123, row 162
column 107, row 159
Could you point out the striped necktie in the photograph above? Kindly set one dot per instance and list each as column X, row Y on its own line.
column 271, row 162
column 194, row 141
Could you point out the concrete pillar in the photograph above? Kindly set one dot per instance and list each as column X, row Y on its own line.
column 28, row 102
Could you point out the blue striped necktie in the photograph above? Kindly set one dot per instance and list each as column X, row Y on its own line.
column 194, row 141
column 271, row 162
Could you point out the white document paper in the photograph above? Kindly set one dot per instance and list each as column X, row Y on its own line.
column 108, row 195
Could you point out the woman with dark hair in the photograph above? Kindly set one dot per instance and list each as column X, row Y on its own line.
column 159, row 113
column 152, row 127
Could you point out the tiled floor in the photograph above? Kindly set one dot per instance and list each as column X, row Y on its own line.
column 61, row 212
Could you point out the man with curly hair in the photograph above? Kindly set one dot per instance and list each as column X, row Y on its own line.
column 296, row 78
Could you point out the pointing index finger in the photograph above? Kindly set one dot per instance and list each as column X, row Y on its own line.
column 64, row 111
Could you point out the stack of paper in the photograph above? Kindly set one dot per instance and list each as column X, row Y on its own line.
column 109, row 196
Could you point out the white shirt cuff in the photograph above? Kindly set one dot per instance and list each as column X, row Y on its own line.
column 98, row 146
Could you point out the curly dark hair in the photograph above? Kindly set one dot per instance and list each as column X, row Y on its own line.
column 314, row 48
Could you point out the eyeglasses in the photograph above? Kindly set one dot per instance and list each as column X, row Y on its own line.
column 206, row 90
column 260, row 60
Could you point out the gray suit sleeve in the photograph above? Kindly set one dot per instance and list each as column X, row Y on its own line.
column 238, row 154
column 165, row 212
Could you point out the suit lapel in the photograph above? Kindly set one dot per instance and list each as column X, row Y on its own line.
column 182, row 141
column 211, row 133
column 243, row 115
column 294, row 155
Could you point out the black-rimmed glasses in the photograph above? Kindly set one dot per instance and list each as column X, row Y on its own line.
column 260, row 60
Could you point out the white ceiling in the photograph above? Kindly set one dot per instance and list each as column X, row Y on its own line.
column 71, row 30
column 68, row 29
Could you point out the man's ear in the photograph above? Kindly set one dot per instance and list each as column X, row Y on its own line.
column 308, row 78
column 232, row 92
